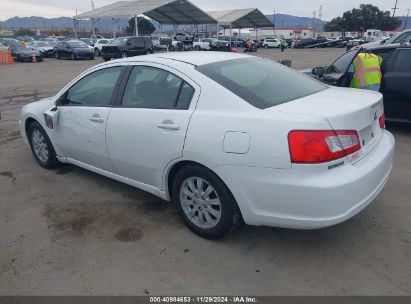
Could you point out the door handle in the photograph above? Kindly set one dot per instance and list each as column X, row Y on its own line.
column 96, row 119
column 169, row 126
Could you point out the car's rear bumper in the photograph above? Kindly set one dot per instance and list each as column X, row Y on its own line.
column 306, row 198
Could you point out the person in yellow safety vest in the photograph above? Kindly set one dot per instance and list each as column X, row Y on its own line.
column 366, row 72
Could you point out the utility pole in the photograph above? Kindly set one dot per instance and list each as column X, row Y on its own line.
column 406, row 19
column 320, row 16
column 395, row 8
column 92, row 20
column 274, row 23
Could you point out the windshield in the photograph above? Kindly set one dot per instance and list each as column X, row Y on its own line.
column 77, row 44
column 261, row 82
column 119, row 41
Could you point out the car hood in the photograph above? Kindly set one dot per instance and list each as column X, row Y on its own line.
column 45, row 48
column 86, row 49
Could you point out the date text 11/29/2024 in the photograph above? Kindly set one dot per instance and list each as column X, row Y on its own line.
column 205, row 299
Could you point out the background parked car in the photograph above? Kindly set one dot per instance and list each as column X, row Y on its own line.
column 74, row 50
column 98, row 46
column 23, row 53
column 88, row 41
column 3, row 47
column 127, row 47
column 395, row 86
column 271, row 43
column 45, row 48
column 202, row 44
column 183, row 37
column 9, row 41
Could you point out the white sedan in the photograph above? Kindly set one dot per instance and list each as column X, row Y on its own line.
column 227, row 137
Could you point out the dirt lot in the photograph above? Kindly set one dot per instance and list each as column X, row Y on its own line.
column 72, row 232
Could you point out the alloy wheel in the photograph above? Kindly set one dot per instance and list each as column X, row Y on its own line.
column 200, row 202
column 40, row 147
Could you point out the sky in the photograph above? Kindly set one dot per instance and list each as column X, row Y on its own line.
column 305, row 8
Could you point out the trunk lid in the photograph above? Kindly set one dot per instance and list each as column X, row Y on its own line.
column 344, row 109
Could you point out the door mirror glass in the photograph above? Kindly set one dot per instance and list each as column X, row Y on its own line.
column 318, row 71
column 51, row 117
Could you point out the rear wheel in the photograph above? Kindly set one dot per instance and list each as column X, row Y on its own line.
column 266, row 46
column 97, row 52
column 73, row 56
column 106, row 59
column 171, row 48
column 197, row 48
column 204, row 202
column 41, row 146
column 123, row 54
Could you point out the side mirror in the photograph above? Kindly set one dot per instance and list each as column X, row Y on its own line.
column 51, row 117
column 318, row 71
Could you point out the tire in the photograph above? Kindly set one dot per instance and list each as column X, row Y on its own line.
column 41, row 146
column 97, row 52
column 214, row 224
column 106, row 59
column 123, row 54
column 171, row 48
column 266, row 46
column 197, row 48
column 73, row 57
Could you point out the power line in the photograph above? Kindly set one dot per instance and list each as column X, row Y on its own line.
column 395, row 8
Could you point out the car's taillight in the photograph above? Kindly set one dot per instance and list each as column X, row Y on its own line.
column 382, row 121
column 310, row 147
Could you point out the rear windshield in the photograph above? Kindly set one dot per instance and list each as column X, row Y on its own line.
column 261, row 82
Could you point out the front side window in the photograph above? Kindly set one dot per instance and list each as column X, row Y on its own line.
column 403, row 62
column 150, row 87
column 95, row 89
column 342, row 64
column 262, row 83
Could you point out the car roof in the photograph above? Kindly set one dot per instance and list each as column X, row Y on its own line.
column 198, row 58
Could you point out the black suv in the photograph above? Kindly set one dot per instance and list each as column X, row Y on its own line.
column 396, row 80
column 127, row 47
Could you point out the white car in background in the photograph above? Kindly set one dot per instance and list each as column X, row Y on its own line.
column 98, row 45
column 45, row 48
column 271, row 43
column 202, row 44
column 224, row 136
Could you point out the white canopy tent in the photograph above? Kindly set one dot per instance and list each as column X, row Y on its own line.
column 241, row 18
column 174, row 12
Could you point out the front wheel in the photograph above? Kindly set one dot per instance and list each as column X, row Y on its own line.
column 204, row 202
column 123, row 55
column 97, row 52
column 41, row 146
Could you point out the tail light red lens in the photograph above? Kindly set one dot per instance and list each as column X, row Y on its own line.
column 310, row 147
column 382, row 121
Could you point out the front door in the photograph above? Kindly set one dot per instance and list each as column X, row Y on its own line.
column 83, row 113
column 147, row 130
column 396, row 86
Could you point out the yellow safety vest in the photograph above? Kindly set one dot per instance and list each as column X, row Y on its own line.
column 367, row 70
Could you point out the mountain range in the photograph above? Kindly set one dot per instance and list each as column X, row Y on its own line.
column 105, row 24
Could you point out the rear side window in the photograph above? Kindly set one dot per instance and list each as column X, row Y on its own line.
column 403, row 62
column 154, row 88
column 262, row 83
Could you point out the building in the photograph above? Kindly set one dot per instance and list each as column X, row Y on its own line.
column 287, row 33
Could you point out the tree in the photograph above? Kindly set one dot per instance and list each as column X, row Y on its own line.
column 366, row 17
column 145, row 27
column 24, row 32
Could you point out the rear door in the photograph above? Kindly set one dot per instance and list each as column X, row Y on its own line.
column 396, row 86
column 147, row 129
